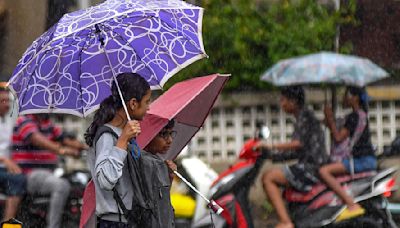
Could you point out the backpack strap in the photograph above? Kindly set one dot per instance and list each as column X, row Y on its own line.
column 101, row 130
column 120, row 204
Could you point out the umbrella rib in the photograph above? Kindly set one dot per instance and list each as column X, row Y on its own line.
column 30, row 79
column 134, row 51
column 197, row 94
column 179, row 66
column 183, row 34
column 125, row 13
column 80, row 74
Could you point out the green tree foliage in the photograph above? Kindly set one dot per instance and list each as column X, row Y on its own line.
column 245, row 37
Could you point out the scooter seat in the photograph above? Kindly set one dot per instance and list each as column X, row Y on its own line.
column 293, row 195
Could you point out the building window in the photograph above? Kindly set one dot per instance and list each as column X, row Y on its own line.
column 231, row 153
column 216, row 154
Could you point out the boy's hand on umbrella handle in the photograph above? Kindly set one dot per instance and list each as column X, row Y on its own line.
column 171, row 168
column 171, row 165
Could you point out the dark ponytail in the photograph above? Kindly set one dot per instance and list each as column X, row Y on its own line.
column 132, row 85
column 362, row 96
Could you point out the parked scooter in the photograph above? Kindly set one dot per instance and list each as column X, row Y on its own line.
column 392, row 151
column 318, row 208
column 33, row 209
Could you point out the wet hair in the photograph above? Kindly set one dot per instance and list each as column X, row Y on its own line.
column 294, row 93
column 362, row 95
column 132, row 85
column 170, row 124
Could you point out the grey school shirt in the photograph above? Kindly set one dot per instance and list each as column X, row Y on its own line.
column 107, row 165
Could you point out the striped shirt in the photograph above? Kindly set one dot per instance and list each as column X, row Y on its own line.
column 27, row 155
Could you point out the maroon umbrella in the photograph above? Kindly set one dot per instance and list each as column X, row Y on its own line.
column 188, row 103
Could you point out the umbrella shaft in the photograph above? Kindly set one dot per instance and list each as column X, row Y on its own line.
column 191, row 186
column 116, row 83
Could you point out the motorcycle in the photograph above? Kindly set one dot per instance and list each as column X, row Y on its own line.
column 319, row 207
column 391, row 154
column 33, row 208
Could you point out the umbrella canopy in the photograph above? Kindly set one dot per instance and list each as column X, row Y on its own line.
column 324, row 67
column 188, row 103
column 70, row 67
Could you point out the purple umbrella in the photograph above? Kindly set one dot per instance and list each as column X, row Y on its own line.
column 70, row 67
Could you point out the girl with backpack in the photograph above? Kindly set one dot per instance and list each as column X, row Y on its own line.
column 356, row 138
column 111, row 149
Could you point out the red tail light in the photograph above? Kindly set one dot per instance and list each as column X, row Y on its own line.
column 389, row 186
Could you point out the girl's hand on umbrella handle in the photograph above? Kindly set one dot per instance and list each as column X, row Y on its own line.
column 131, row 130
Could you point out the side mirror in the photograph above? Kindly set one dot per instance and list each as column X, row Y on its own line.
column 265, row 132
column 12, row 223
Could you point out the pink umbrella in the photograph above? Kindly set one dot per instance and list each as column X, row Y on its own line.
column 88, row 218
column 188, row 102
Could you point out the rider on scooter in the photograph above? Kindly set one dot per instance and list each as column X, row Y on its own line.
column 308, row 143
column 37, row 142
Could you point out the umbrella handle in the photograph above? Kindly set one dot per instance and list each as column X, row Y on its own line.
column 136, row 156
column 211, row 203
